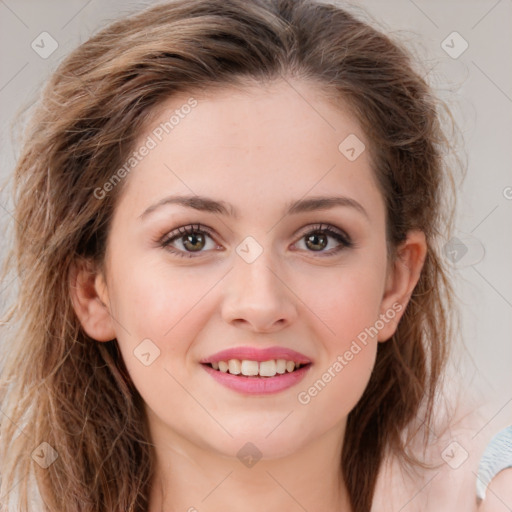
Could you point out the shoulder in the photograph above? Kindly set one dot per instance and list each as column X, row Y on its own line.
column 494, row 486
column 449, row 484
column 451, row 451
column 499, row 493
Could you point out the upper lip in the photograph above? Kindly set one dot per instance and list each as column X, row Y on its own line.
column 257, row 354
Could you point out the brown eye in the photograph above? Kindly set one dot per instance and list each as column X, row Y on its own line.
column 193, row 239
column 318, row 239
column 316, row 242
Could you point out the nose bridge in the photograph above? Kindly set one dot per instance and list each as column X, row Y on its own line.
column 256, row 292
column 258, row 275
column 254, row 271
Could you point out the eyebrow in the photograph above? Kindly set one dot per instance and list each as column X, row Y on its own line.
column 207, row 204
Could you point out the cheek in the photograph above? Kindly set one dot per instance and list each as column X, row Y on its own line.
column 338, row 386
column 348, row 303
column 341, row 376
column 159, row 321
column 156, row 299
column 166, row 308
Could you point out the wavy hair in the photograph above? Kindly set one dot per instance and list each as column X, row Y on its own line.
column 61, row 387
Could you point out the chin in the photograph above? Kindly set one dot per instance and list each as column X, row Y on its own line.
column 254, row 444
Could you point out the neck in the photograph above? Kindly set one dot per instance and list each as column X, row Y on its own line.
column 197, row 479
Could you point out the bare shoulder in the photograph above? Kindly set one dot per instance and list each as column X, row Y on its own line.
column 452, row 452
column 499, row 493
column 449, row 484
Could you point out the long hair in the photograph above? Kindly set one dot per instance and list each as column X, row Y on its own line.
column 60, row 387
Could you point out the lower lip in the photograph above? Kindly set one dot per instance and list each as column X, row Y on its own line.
column 258, row 385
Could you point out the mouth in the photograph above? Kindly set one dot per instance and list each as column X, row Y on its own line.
column 254, row 370
column 249, row 377
column 250, row 369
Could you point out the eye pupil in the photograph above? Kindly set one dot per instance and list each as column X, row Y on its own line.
column 192, row 238
column 314, row 238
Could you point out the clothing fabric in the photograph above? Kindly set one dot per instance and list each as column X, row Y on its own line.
column 497, row 457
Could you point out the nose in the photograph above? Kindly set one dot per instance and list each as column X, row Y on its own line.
column 259, row 296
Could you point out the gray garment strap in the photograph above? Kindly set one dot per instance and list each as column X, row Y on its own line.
column 496, row 458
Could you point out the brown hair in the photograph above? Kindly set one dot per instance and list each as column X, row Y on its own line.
column 61, row 387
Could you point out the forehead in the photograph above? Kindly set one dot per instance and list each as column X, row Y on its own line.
column 255, row 116
column 272, row 142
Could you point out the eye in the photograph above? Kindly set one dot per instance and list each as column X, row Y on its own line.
column 316, row 239
column 191, row 238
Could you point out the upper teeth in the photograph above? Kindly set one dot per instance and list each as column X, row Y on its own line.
column 252, row 368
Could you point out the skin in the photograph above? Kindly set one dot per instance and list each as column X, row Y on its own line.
column 499, row 493
column 257, row 148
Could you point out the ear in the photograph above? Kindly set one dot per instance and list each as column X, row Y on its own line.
column 403, row 274
column 89, row 296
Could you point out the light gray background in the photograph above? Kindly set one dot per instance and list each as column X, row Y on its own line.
column 477, row 85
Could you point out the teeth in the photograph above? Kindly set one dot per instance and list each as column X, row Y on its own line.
column 234, row 366
column 268, row 368
column 281, row 365
column 253, row 368
column 249, row 367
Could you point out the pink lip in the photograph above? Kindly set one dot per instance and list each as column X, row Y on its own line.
column 257, row 354
column 258, row 385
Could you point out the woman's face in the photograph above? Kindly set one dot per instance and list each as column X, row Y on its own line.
column 261, row 274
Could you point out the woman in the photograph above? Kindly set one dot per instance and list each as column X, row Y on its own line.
column 231, row 293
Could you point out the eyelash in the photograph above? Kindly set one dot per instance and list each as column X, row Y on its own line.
column 180, row 232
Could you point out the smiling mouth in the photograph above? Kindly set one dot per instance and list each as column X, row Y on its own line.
column 263, row 369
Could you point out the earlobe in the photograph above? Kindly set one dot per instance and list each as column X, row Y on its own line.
column 403, row 276
column 89, row 296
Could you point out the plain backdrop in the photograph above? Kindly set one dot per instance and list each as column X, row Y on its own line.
column 464, row 47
